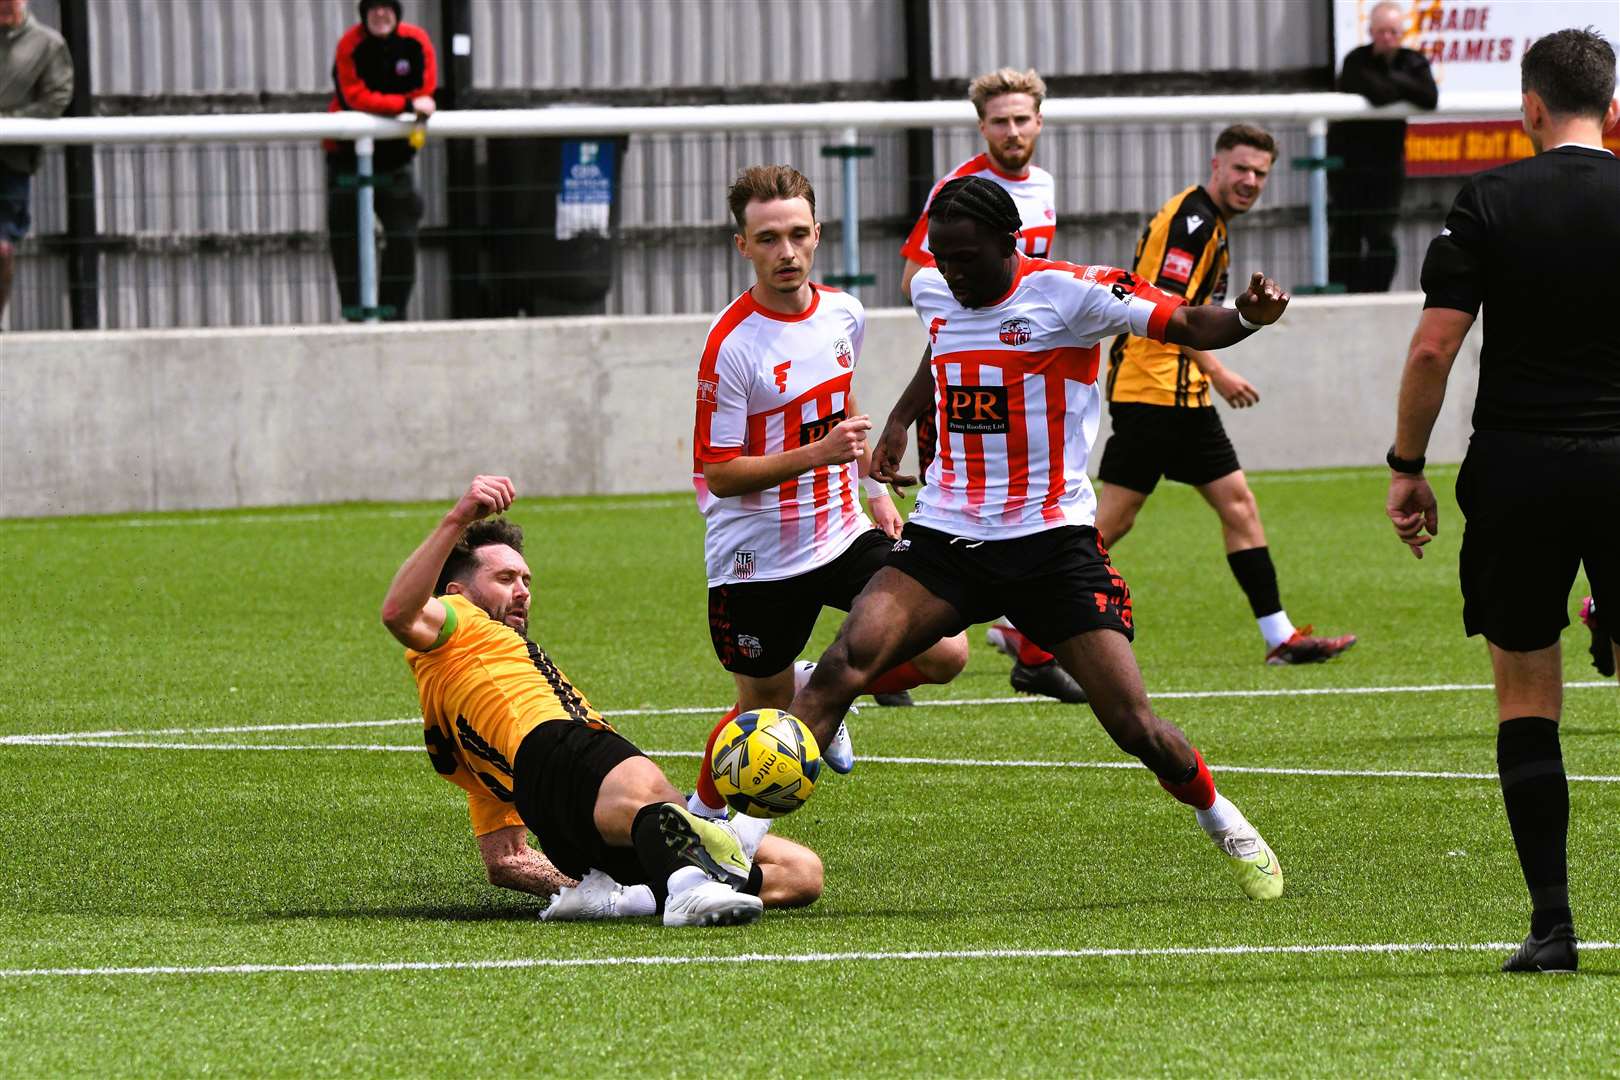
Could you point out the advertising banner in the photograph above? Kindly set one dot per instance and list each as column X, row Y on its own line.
column 1472, row 46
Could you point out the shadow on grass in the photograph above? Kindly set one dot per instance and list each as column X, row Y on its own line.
column 421, row 912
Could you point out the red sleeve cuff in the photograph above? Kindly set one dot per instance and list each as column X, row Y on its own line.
column 713, row 454
column 1162, row 310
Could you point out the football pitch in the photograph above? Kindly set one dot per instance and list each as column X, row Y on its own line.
column 225, row 851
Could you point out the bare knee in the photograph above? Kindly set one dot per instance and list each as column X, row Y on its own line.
column 945, row 659
column 793, row 877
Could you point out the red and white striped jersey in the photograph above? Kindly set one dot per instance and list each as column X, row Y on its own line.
column 768, row 383
column 1035, row 195
column 1015, row 394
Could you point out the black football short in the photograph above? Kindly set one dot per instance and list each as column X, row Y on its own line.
column 1187, row 445
column 556, row 778
column 1537, row 508
column 1052, row 584
column 759, row 627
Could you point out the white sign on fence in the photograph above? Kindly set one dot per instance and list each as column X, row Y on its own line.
column 1475, row 46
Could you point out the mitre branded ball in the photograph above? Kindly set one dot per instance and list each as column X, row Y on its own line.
column 765, row 763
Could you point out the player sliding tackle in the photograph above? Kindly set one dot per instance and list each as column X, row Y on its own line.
column 505, row 725
column 1004, row 525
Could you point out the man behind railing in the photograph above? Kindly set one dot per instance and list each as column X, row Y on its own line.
column 36, row 81
column 384, row 66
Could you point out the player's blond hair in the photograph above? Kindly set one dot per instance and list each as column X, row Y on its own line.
column 1006, row 81
column 767, row 183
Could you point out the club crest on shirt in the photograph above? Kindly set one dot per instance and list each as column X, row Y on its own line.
column 750, row 646
column 742, row 566
column 844, row 351
column 1015, row 331
column 402, row 67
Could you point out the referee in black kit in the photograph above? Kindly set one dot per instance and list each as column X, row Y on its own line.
column 1537, row 243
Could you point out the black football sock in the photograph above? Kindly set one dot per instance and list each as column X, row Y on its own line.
column 1536, row 794
column 754, row 882
column 657, row 857
column 1258, row 579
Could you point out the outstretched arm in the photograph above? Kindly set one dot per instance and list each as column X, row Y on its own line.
column 410, row 611
column 915, row 400
column 1206, row 327
column 1411, row 504
column 512, row 864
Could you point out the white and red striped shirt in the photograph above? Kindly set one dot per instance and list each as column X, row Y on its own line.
column 1035, row 196
column 1015, row 394
column 768, row 383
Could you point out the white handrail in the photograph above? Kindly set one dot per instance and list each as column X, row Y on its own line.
column 638, row 120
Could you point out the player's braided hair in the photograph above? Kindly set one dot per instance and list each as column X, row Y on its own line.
column 463, row 558
column 975, row 197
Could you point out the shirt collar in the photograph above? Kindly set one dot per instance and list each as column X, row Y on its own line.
column 1584, row 146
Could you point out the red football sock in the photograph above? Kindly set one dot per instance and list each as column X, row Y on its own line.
column 896, row 679
column 1197, row 792
column 705, row 786
column 1029, row 653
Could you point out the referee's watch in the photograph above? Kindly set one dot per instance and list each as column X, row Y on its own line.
column 1410, row 466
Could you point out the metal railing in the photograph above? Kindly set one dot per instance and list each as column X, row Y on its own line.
column 844, row 121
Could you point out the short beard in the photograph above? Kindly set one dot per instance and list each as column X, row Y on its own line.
column 1007, row 166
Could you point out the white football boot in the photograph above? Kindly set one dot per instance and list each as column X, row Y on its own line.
column 597, row 896
column 695, row 899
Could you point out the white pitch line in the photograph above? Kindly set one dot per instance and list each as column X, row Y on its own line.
column 698, row 710
column 520, row 963
column 965, row 763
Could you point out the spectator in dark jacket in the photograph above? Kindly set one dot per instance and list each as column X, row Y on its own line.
column 36, row 82
column 384, row 66
column 1364, row 197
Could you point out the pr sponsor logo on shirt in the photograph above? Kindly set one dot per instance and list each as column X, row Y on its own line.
column 1015, row 331
column 708, row 391
column 816, row 430
column 742, row 566
column 1178, row 265
column 976, row 410
column 844, row 352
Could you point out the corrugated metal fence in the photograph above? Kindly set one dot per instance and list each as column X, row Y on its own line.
column 236, row 234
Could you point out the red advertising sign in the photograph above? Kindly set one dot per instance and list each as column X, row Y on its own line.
column 1457, row 148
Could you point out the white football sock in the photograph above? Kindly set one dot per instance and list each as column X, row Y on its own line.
column 801, row 674
column 1275, row 628
column 1220, row 816
column 695, row 803
column 687, row 877
column 636, row 900
column 750, row 831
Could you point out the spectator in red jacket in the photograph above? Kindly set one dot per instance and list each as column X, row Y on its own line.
column 385, row 66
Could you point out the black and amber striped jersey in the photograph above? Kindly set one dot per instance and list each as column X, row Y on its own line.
column 1182, row 251
column 484, row 687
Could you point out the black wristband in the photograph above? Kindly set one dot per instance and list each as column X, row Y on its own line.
column 1410, row 466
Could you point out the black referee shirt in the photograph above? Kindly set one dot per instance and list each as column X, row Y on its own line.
column 1537, row 243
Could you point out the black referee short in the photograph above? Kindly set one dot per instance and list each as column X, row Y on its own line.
column 556, row 777
column 1537, row 507
column 758, row 627
column 1052, row 584
column 1187, row 445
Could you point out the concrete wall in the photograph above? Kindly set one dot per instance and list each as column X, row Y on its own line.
column 189, row 419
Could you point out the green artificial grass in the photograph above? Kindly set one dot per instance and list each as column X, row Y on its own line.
column 969, row 907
